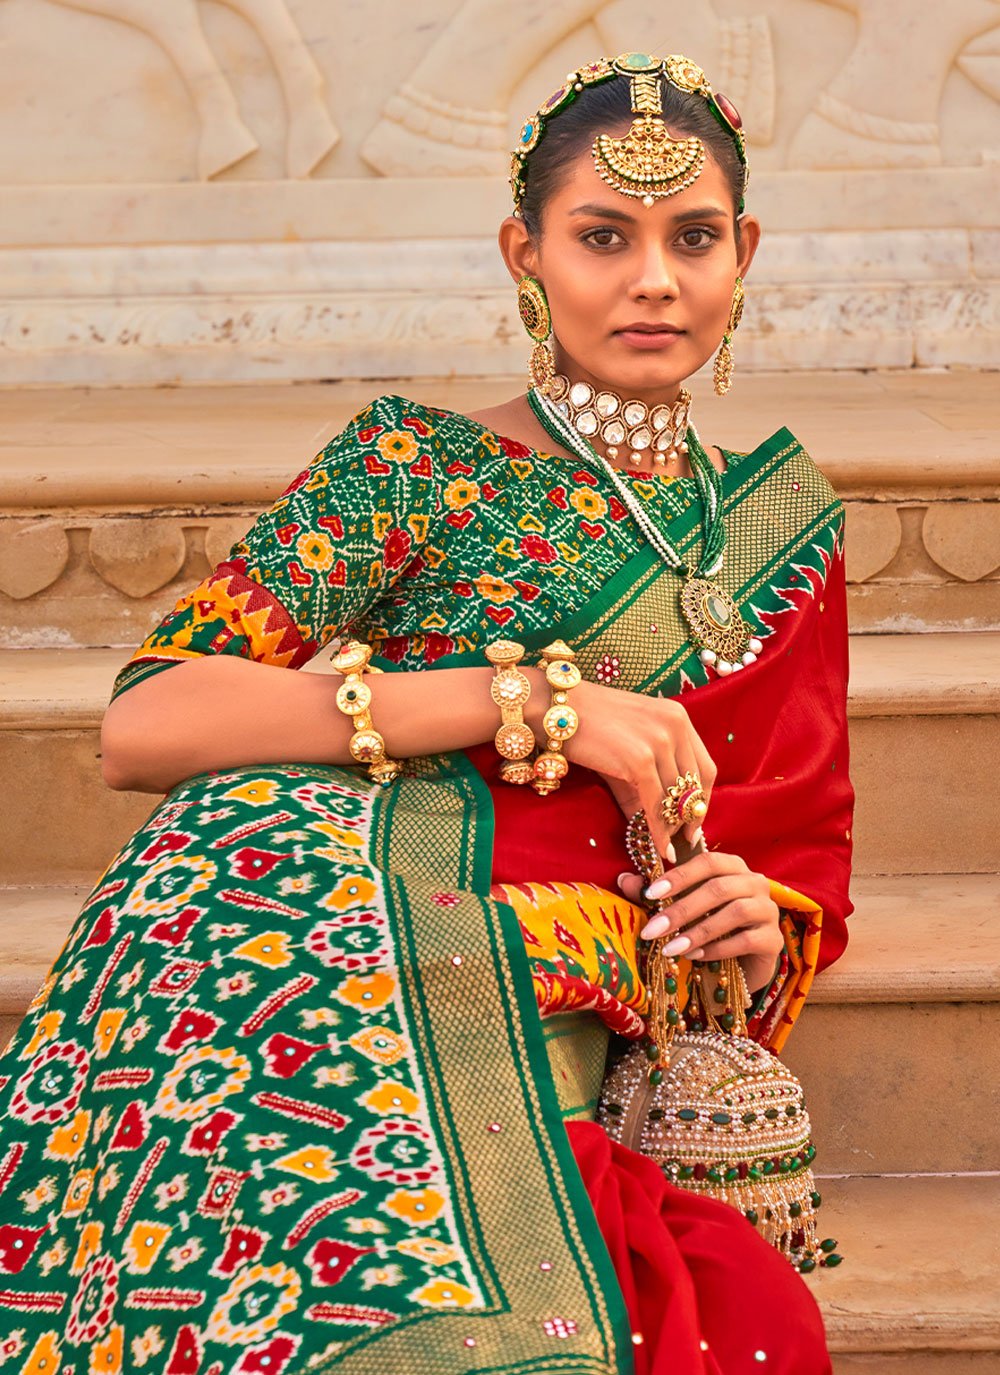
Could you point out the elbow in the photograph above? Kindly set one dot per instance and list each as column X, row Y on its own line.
column 121, row 756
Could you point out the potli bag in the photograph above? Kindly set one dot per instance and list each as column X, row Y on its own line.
column 719, row 1114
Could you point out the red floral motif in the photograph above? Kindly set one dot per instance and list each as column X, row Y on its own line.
column 190, row 1025
column 270, row 1358
column 167, row 843
column 173, row 930
column 437, row 646
column 185, row 1358
column 251, row 864
column 205, row 1137
column 17, row 1245
column 397, row 546
column 132, row 1129
column 330, row 1260
column 49, row 1089
column 94, row 1301
column 243, row 1244
column 103, row 929
column 512, row 449
column 539, row 549
column 285, row 1055
column 396, row 1151
column 607, row 668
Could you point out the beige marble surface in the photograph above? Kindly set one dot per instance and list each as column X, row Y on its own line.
column 268, row 189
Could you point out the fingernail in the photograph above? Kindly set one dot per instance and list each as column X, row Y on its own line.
column 677, row 946
column 623, row 877
column 671, row 853
column 659, row 926
column 659, row 888
column 698, row 835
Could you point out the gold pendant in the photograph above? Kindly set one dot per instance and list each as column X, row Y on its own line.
column 716, row 626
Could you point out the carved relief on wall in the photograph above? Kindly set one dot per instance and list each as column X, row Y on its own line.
column 224, row 138
column 882, row 108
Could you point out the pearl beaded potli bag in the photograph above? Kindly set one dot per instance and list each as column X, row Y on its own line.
column 719, row 1114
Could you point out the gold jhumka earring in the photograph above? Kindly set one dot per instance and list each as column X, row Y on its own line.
column 533, row 308
column 722, row 373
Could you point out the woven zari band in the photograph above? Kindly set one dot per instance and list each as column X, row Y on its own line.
column 510, row 689
column 647, row 163
column 560, row 721
column 354, row 699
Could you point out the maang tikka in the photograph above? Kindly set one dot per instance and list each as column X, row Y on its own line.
column 533, row 308
column 722, row 373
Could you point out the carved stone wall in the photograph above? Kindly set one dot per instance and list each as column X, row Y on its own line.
column 288, row 189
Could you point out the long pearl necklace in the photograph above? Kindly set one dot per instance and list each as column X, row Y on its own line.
column 660, row 430
column 717, row 628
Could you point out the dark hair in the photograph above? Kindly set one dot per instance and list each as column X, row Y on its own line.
column 599, row 109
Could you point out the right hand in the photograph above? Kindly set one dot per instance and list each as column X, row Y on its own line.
column 640, row 746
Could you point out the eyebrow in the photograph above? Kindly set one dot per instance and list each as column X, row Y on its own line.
column 705, row 212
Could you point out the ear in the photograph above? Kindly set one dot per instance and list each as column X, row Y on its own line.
column 749, row 241
column 517, row 248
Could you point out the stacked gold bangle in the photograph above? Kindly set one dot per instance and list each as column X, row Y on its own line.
column 510, row 690
column 354, row 699
column 560, row 721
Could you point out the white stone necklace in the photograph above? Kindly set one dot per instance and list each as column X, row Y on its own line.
column 723, row 638
column 661, row 430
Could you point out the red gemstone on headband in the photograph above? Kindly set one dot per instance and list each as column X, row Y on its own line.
column 729, row 110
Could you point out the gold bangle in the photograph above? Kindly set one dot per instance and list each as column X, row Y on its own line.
column 560, row 721
column 354, row 699
column 510, row 690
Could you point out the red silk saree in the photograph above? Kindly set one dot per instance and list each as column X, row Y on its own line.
column 285, row 1100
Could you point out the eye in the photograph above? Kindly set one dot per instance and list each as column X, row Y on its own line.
column 698, row 236
column 602, row 238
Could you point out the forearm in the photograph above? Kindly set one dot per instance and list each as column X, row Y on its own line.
column 221, row 712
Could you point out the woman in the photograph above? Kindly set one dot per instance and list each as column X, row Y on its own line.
column 284, row 1101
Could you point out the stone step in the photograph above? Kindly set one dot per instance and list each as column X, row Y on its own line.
column 919, row 1289
column 882, row 1047
column 95, row 547
column 925, row 756
column 900, row 1036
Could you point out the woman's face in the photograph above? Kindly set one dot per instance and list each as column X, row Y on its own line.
column 607, row 262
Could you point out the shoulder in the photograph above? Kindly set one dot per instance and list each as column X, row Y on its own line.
column 784, row 453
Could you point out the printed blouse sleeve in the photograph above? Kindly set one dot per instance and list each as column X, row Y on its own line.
column 332, row 544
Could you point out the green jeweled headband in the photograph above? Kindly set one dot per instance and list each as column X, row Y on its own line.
column 647, row 163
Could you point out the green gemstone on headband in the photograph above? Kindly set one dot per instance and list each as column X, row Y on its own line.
column 637, row 62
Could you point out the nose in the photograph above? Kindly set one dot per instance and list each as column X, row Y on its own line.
column 656, row 277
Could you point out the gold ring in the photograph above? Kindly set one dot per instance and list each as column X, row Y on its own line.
column 684, row 802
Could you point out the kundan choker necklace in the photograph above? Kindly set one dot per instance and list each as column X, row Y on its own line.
column 659, row 431
column 720, row 633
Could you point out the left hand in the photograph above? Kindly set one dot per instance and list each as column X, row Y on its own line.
column 730, row 913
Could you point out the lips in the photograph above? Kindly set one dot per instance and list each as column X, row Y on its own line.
column 644, row 327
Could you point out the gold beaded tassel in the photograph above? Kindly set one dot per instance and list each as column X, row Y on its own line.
column 560, row 722
column 510, row 690
column 354, row 699
column 720, row 991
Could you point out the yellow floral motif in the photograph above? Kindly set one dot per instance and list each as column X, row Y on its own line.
column 429, row 1250
column 147, row 1345
column 106, row 1356
column 398, row 445
column 433, row 556
column 375, row 573
column 312, row 1162
column 588, row 502
column 78, row 1193
column 369, row 991
column 445, row 1294
column 418, row 1206
column 495, row 589
column 44, row 1358
column 43, row 1192
column 66, row 1142
column 54, row 1257
column 353, row 891
column 391, row 1097
column 90, row 1244
column 106, row 1032
column 315, row 550
column 381, row 1044
column 45, row 1029
column 258, row 792
column 531, row 524
column 143, row 1244
column 199, row 1061
column 461, row 493
column 223, row 1327
column 270, row 948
